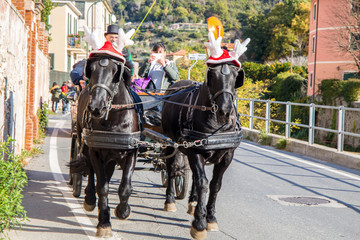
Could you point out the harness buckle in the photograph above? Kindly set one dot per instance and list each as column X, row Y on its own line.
column 214, row 107
column 203, row 108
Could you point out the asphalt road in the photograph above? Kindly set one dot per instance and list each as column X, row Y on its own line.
column 255, row 202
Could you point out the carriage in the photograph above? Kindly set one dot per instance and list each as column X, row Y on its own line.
column 199, row 121
column 150, row 151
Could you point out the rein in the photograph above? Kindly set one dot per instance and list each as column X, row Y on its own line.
column 203, row 108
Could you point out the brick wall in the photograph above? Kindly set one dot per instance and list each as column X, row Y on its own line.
column 24, row 70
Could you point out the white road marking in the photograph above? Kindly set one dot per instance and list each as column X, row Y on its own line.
column 61, row 185
column 306, row 162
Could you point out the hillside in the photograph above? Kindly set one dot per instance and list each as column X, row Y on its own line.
column 259, row 19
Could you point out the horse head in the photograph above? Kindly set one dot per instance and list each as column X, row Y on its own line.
column 222, row 80
column 105, row 74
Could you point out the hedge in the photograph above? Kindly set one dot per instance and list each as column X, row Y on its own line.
column 13, row 179
column 335, row 88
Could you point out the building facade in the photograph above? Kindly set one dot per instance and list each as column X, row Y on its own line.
column 24, row 70
column 66, row 43
column 331, row 42
column 67, row 20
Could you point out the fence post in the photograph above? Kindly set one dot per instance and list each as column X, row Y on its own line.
column 267, row 123
column 311, row 123
column 251, row 120
column 288, row 120
column 340, row 144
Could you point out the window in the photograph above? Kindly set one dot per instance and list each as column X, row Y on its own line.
column 313, row 44
column 75, row 26
column 69, row 63
column 350, row 75
column 105, row 19
column 52, row 59
column 81, row 6
column 355, row 41
column 315, row 11
column 355, row 7
column 311, row 79
column 69, row 29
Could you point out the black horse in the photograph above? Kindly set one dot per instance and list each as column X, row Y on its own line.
column 205, row 123
column 108, row 129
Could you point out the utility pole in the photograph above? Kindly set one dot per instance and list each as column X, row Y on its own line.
column 316, row 40
column 292, row 59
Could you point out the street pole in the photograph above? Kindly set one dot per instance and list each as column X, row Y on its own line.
column 87, row 24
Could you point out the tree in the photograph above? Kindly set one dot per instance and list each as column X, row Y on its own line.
column 219, row 8
column 181, row 13
column 274, row 34
column 347, row 40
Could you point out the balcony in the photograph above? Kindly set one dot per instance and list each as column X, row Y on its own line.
column 75, row 44
column 75, row 41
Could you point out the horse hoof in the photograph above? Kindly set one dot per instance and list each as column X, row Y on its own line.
column 170, row 207
column 198, row 235
column 89, row 208
column 121, row 217
column 104, row 232
column 213, row 227
column 191, row 208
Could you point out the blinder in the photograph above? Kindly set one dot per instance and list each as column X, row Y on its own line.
column 104, row 62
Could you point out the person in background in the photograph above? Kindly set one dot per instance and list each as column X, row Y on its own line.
column 55, row 96
column 65, row 100
column 161, row 71
column 72, row 90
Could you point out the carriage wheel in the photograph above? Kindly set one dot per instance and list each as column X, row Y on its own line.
column 182, row 179
column 76, row 177
column 72, row 155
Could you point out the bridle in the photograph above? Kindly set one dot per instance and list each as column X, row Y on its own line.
column 226, row 71
column 111, row 92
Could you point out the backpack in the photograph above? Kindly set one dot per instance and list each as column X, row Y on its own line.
column 64, row 89
column 56, row 94
column 77, row 72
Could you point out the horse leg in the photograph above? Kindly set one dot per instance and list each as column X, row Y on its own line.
column 90, row 192
column 215, row 186
column 102, row 189
column 123, row 210
column 193, row 198
column 198, row 228
column 170, row 205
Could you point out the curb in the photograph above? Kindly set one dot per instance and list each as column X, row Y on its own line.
column 327, row 154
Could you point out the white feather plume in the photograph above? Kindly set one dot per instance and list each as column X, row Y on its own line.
column 92, row 38
column 239, row 48
column 214, row 46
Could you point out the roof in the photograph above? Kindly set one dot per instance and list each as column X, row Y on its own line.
column 181, row 52
column 229, row 46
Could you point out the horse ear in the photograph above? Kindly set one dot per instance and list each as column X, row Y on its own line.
column 88, row 69
column 240, row 78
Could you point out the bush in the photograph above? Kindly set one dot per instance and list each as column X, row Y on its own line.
column 264, row 138
column 350, row 90
column 42, row 114
column 281, row 143
column 330, row 89
column 288, row 87
column 13, row 179
column 260, row 72
column 335, row 88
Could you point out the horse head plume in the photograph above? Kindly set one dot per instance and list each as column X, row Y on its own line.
column 92, row 38
column 124, row 39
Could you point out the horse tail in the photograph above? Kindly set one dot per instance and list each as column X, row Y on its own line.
column 79, row 165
